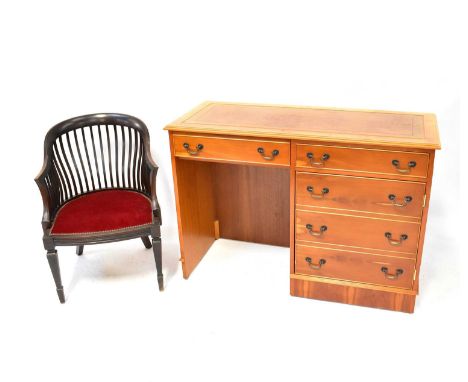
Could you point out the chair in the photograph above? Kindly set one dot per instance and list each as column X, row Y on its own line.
column 98, row 185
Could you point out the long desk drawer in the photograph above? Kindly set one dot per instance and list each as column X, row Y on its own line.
column 261, row 151
column 354, row 266
column 380, row 196
column 366, row 162
column 354, row 231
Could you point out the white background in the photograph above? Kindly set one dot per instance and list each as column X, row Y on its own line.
column 234, row 318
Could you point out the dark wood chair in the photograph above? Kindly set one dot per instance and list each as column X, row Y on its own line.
column 98, row 185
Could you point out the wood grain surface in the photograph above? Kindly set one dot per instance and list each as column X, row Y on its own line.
column 358, row 194
column 355, row 266
column 252, row 203
column 357, row 231
column 362, row 162
column 195, row 204
column 354, row 294
column 221, row 149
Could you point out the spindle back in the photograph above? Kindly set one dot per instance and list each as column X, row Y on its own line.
column 95, row 152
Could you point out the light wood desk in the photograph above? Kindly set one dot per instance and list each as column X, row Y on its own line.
column 347, row 190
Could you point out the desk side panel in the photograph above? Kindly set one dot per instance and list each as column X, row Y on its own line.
column 292, row 209
column 193, row 187
column 424, row 220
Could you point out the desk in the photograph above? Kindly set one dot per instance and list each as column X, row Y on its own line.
column 347, row 190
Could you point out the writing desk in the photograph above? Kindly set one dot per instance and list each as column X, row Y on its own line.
column 347, row 190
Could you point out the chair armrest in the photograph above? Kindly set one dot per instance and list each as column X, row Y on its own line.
column 40, row 180
column 152, row 170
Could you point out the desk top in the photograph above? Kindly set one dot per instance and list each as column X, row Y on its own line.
column 381, row 128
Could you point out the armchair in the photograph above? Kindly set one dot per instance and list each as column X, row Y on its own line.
column 98, row 185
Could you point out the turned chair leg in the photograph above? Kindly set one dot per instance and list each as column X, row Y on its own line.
column 79, row 250
column 52, row 258
column 158, row 259
column 146, row 241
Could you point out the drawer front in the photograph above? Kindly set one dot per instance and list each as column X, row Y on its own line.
column 355, row 266
column 363, row 161
column 382, row 234
column 380, row 196
column 268, row 152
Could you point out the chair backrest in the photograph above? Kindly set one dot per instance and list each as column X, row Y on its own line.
column 95, row 152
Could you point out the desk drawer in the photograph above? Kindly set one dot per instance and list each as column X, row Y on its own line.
column 366, row 162
column 268, row 152
column 355, row 266
column 351, row 193
column 382, row 234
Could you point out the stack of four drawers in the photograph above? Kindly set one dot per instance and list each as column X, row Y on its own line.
column 358, row 213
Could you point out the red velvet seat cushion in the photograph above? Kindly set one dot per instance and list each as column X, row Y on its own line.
column 102, row 211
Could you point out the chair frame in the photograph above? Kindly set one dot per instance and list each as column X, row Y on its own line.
column 48, row 182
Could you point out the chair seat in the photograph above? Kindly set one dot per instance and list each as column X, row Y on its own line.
column 103, row 212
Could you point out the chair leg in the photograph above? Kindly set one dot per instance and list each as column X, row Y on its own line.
column 146, row 241
column 158, row 259
column 52, row 258
column 79, row 250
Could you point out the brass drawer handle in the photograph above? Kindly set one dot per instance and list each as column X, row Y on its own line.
column 316, row 233
column 315, row 266
column 310, row 190
column 391, row 276
column 396, row 164
column 191, row 151
column 323, row 159
column 404, row 203
column 274, row 153
column 403, row 237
